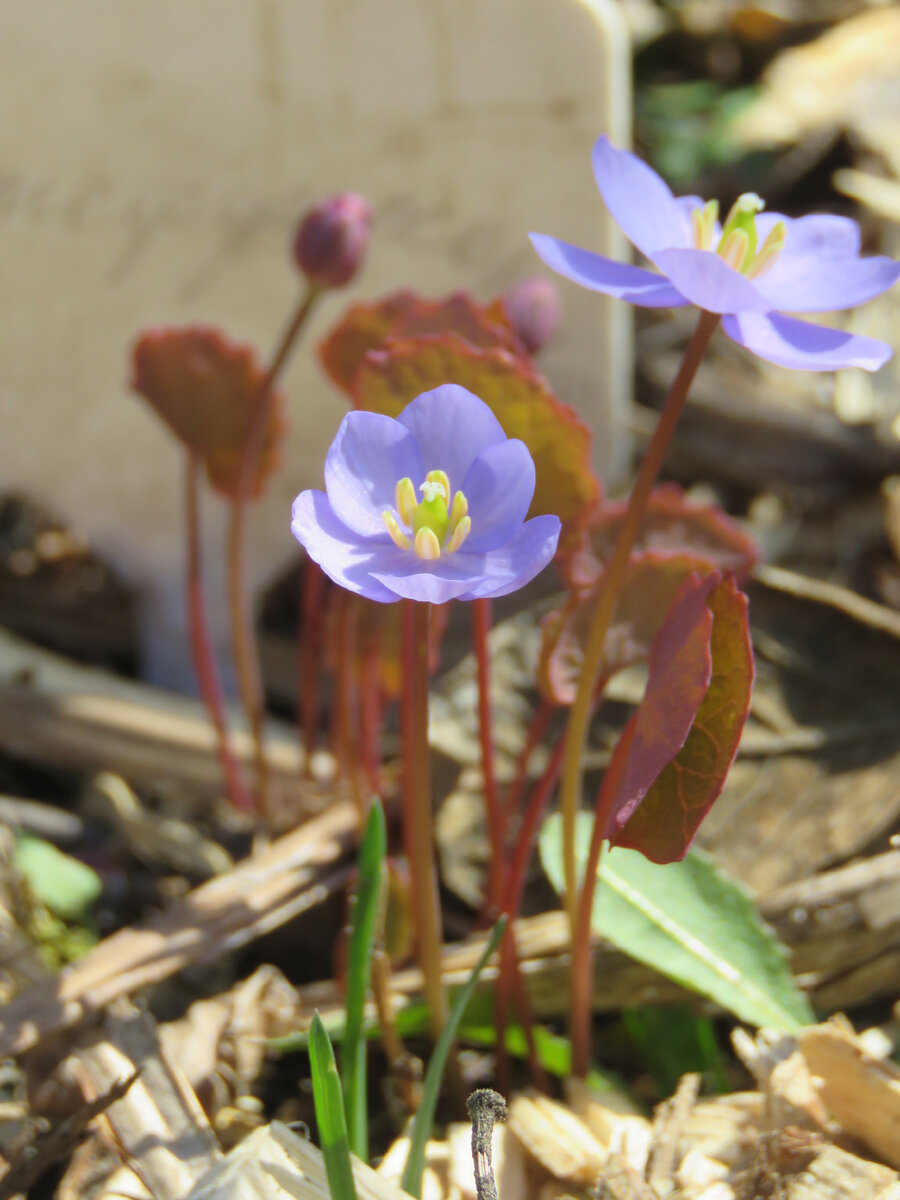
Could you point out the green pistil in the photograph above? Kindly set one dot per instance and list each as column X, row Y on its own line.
column 742, row 218
column 432, row 512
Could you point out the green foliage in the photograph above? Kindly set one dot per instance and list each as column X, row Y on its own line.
column 424, row 1118
column 673, row 1040
column 690, row 921
column 329, row 1105
column 66, row 887
column 363, row 920
column 687, row 126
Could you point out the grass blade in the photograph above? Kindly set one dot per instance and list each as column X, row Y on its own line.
column 424, row 1118
column 329, row 1105
column 363, row 918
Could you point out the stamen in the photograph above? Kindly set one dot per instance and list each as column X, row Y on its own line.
column 427, row 544
column 703, row 225
column 735, row 249
column 458, row 510
column 769, row 250
column 390, row 524
column 459, row 534
column 436, row 484
column 742, row 219
column 405, row 499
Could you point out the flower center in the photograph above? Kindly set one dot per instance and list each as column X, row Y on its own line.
column 738, row 243
column 433, row 525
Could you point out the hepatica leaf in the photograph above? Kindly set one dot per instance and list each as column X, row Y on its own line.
column 520, row 398
column 667, row 818
column 680, row 669
column 205, row 386
column 672, row 524
column 691, row 922
column 650, row 586
column 365, row 327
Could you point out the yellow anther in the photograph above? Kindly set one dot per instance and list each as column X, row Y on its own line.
column 735, row 249
column 427, row 544
column 458, row 510
column 769, row 250
column 405, row 499
column 703, row 225
column 390, row 524
column 459, row 534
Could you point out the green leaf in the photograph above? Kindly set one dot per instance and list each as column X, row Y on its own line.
column 329, row 1105
column 690, row 921
column 66, row 887
column 363, row 918
column 424, row 1118
column 672, row 1040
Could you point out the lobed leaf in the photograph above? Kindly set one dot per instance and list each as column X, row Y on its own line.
column 520, row 398
column 365, row 327
column 680, row 669
column 650, row 586
column 666, row 820
column 691, row 922
column 672, row 524
column 205, row 387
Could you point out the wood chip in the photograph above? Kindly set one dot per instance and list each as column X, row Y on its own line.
column 560, row 1142
column 861, row 1093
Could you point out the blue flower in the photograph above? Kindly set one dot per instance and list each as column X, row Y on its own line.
column 753, row 269
column 427, row 507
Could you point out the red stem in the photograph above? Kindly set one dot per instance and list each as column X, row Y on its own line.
column 309, row 658
column 582, row 945
column 418, row 817
column 535, row 735
column 201, row 643
column 243, row 631
column 496, row 823
column 371, row 719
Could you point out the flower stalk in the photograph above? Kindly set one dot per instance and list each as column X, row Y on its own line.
column 201, row 643
column 243, row 632
column 579, row 715
column 418, row 819
column 496, row 820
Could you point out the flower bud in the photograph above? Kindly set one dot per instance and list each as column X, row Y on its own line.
column 332, row 240
column 534, row 309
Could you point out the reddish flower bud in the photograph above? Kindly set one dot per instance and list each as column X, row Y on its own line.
column 332, row 240
column 533, row 308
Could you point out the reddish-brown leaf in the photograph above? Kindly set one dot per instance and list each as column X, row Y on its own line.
column 365, row 327
column 666, row 821
column 672, row 524
column 651, row 583
column 205, row 387
column 521, row 399
column 679, row 674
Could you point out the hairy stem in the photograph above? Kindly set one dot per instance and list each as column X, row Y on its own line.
column 309, row 657
column 496, row 823
column 201, row 643
column 418, row 818
column 243, row 632
column 614, row 576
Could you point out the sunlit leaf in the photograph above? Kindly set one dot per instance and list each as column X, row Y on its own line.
column 666, row 820
column 365, row 327
column 205, row 387
column 67, row 887
column 691, row 922
column 521, row 399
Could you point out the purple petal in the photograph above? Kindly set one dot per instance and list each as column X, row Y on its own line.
column 707, row 281
column 639, row 201
column 796, row 283
column 499, row 487
column 803, row 346
column 511, row 566
column 435, row 582
column 819, row 235
column 341, row 553
column 600, row 274
column 451, row 426
column 367, row 457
